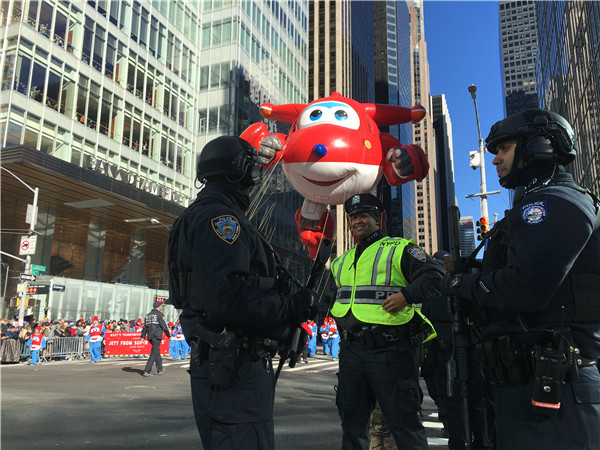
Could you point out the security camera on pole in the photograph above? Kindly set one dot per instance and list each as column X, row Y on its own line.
column 477, row 159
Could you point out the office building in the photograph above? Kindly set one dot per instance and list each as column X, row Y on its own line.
column 568, row 73
column 424, row 134
column 105, row 106
column 445, row 165
column 467, row 236
column 391, row 24
column 341, row 60
column 518, row 44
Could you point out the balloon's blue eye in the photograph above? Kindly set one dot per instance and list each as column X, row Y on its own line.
column 340, row 114
column 316, row 114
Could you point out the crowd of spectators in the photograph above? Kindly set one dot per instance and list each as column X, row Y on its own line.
column 10, row 329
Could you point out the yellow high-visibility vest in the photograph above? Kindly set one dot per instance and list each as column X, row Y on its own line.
column 362, row 287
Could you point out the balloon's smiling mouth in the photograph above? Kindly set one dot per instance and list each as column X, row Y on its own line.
column 326, row 183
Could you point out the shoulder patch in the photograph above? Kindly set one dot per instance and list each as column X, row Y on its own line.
column 417, row 253
column 226, row 227
column 534, row 213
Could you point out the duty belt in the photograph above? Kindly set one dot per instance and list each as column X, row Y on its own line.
column 376, row 335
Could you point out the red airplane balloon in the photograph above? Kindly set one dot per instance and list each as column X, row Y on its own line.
column 335, row 150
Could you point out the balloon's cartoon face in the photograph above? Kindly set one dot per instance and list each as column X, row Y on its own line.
column 332, row 151
column 335, row 150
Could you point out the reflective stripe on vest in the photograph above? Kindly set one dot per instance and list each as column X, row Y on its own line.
column 363, row 286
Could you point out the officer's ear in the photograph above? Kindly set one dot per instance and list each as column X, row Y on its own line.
column 383, row 221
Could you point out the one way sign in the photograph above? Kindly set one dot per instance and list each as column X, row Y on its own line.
column 27, row 276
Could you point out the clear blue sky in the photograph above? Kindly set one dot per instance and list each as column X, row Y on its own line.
column 462, row 48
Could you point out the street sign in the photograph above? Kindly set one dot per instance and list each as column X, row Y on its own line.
column 26, row 276
column 38, row 268
column 27, row 246
column 35, row 272
column 58, row 287
column 45, row 278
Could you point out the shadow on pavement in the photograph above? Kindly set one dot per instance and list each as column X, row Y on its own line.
column 132, row 370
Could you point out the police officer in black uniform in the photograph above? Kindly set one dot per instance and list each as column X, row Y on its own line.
column 234, row 295
column 536, row 300
column 438, row 352
column 154, row 326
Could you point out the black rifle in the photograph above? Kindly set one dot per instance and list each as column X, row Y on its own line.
column 458, row 365
column 316, row 272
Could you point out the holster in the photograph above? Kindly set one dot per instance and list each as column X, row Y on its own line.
column 505, row 360
column 221, row 359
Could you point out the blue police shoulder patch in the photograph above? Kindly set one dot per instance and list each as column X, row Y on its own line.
column 226, row 227
column 534, row 213
column 417, row 253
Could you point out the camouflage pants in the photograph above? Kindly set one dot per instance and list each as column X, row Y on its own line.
column 377, row 424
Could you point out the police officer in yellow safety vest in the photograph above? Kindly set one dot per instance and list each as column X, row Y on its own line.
column 378, row 281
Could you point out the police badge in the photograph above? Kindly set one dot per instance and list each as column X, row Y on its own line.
column 226, row 227
column 534, row 213
column 417, row 253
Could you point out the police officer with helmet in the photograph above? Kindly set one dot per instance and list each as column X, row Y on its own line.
column 378, row 281
column 237, row 309
column 536, row 300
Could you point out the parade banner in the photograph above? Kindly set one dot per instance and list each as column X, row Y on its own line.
column 130, row 344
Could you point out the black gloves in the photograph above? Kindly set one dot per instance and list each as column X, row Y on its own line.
column 400, row 158
column 450, row 283
column 303, row 305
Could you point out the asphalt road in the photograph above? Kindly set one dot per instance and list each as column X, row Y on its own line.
column 106, row 405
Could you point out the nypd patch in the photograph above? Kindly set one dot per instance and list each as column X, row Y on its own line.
column 226, row 227
column 417, row 253
column 534, row 213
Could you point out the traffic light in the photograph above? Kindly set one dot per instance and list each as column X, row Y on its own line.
column 30, row 302
column 484, row 227
column 15, row 302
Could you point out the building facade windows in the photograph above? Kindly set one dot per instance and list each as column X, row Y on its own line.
column 133, row 90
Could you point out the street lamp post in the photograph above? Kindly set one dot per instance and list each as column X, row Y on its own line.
column 33, row 220
column 482, row 185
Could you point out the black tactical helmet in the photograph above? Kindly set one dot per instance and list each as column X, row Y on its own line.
column 537, row 123
column 231, row 157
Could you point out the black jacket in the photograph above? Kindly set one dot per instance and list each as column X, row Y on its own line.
column 545, row 247
column 154, row 325
column 231, row 269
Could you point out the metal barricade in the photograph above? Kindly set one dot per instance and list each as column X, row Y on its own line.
column 59, row 347
column 25, row 352
column 65, row 347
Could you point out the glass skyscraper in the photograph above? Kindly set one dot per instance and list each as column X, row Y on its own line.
column 445, row 165
column 518, row 43
column 569, row 77
column 467, row 236
column 393, row 86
